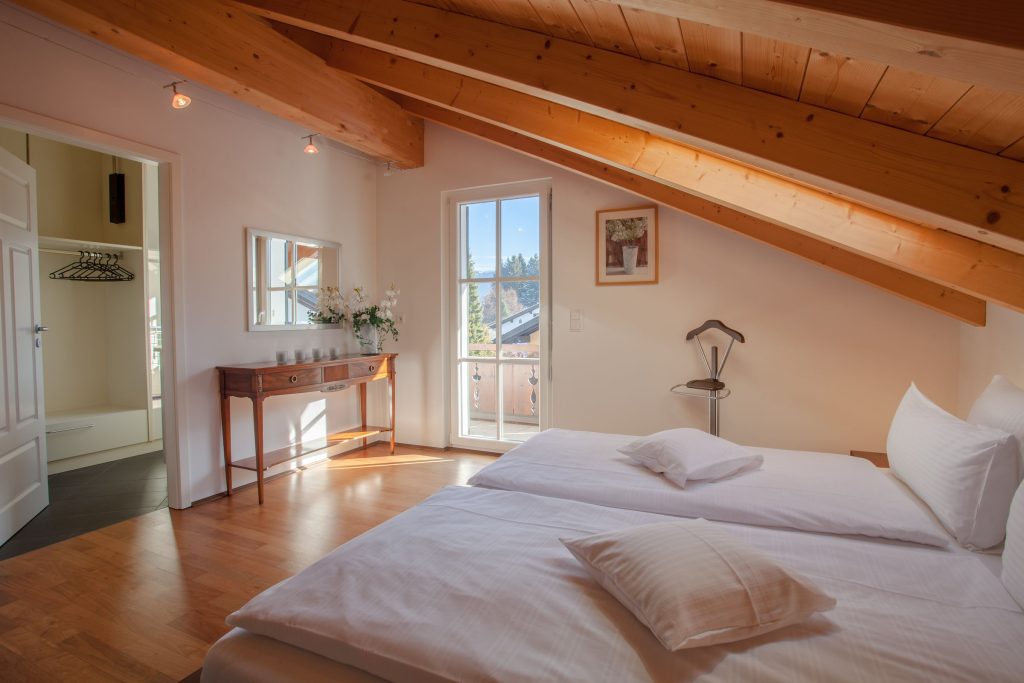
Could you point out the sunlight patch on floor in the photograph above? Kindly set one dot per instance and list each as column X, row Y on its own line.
column 348, row 462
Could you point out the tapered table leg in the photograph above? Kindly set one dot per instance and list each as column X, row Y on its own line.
column 257, row 425
column 225, row 425
column 391, row 391
column 362, row 408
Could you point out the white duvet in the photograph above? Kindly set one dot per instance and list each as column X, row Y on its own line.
column 821, row 492
column 474, row 585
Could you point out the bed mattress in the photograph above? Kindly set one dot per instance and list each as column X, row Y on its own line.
column 822, row 492
column 474, row 585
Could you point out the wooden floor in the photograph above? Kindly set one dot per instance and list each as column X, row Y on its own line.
column 143, row 600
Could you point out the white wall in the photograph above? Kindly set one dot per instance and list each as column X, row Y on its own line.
column 996, row 349
column 239, row 167
column 826, row 360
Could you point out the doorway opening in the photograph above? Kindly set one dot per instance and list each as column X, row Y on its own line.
column 98, row 335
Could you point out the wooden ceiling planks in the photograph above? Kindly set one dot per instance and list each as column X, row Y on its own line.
column 1015, row 151
column 987, row 120
column 774, row 66
column 713, row 51
column 839, row 83
column 984, row 119
column 977, row 42
column 606, row 26
column 912, row 101
column 561, row 18
column 519, row 13
column 657, row 39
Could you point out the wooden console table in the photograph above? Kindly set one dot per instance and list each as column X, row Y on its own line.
column 257, row 381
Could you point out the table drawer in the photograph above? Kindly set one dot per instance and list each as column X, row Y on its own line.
column 292, row 378
column 368, row 369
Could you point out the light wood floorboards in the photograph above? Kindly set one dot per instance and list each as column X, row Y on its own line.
column 143, row 600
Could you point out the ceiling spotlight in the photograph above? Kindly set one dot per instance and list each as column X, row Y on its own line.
column 388, row 168
column 178, row 100
column 310, row 148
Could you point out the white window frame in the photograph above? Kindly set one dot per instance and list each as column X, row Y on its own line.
column 453, row 333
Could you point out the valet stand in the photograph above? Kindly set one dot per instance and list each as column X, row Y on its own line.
column 712, row 388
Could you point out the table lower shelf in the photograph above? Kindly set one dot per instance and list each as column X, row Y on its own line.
column 306, row 448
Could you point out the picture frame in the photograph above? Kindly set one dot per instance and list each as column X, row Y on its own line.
column 627, row 246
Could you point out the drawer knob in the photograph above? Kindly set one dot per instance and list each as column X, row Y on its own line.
column 293, row 379
column 371, row 368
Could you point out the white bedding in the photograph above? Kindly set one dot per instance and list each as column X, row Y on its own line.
column 243, row 657
column 474, row 585
column 821, row 492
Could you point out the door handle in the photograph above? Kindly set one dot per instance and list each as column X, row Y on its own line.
column 42, row 328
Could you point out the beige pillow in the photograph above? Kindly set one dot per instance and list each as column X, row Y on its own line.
column 693, row 584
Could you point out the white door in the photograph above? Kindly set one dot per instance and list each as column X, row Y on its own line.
column 23, row 485
column 500, row 312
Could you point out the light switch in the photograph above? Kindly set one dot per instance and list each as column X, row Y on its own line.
column 576, row 320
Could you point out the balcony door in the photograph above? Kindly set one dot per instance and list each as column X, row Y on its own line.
column 499, row 323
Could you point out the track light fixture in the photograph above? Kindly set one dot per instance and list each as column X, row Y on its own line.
column 178, row 100
column 310, row 148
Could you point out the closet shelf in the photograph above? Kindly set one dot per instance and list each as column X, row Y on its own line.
column 69, row 245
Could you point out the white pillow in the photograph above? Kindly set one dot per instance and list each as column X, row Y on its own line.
column 1013, row 551
column 1001, row 405
column 966, row 473
column 693, row 584
column 684, row 454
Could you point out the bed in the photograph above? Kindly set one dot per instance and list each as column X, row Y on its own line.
column 474, row 585
column 792, row 489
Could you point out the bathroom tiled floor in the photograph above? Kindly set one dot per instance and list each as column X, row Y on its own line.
column 94, row 497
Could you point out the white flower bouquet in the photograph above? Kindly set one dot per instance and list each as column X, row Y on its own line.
column 380, row 317
column 627, row 231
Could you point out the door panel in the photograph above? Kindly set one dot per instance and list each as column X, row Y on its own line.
column 15, row 200
column 23, row 486
column 22, row 482
column 23, row 283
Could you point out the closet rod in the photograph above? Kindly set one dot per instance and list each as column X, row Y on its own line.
column 118, row 254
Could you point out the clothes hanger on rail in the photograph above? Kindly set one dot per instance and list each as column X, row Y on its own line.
column 93, row 266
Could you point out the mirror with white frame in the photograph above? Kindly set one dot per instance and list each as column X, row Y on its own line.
column 286, row 273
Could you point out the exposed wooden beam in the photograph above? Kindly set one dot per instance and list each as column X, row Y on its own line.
column 952, row 260
column 942, row 299
column 977, row 42
column 214, row 43
column 919, row 178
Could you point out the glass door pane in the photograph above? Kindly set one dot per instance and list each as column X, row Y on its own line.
column 477, row 333
column 520, row 325
column 520, row 237
column 479, row 234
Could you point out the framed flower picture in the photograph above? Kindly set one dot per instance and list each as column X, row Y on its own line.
column 627, row 246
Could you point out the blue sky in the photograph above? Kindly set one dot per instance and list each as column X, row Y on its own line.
column 520, row 230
